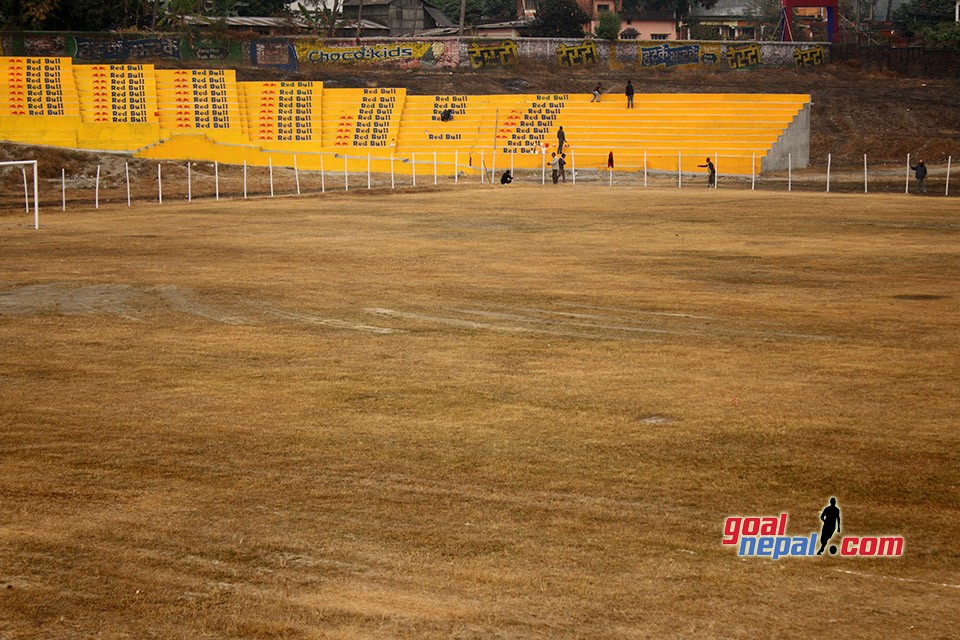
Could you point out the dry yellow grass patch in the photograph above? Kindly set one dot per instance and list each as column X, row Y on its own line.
column 477, row 413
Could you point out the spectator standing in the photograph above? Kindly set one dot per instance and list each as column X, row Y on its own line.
column 712, row 173
column 561, row 139
column 562, row 163
column 920, row 170
column 629, row 93
column 555, row 168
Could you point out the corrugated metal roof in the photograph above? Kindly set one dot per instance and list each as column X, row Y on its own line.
column 245, row 21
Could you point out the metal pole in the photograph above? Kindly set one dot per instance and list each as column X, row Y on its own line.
column 189, row 184
column 543, row 166
column 270, row 162
column 753, row 171
column 573, row 165
column 828, row 172
column 159, row 185
column 456, row 166
column 244, row 179
column 323, row 184
column 644, row 167
column 96, row 191
column 216, row 178
column 906, row 188
column 493, row 171
column 63, row 190
column 393, row 182
column 368, row 170
column 483, row 167
column 434, row 166
column 679, row 170
column 949, row 158
column 864, row 172
column 296, row 173
column 126, row 170
column 26, row 190
column 413, row 167
column 346, row 174
column 789, row 172
column 36, row 199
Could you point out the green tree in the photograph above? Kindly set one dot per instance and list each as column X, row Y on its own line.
column 559, row 19
column 921, row 15
column 479, row 11
column 608, row 25
column 74, row 15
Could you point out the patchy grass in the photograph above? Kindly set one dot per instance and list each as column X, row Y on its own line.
column 428, row 415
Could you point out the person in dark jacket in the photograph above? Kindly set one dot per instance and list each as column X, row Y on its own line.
column 506, row 178
column 921, row 172
column 712, row 177
column 561, row 139
column 629, row 94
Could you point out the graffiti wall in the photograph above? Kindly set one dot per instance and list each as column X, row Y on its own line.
column 294, row 53
column 405, row 54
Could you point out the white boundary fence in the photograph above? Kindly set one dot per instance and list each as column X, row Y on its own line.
column 182, row 178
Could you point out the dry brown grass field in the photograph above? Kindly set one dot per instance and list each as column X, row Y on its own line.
column 480, row 412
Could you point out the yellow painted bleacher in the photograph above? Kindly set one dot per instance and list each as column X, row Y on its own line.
column 38, row 101
column 205, row 114
column 118, row 106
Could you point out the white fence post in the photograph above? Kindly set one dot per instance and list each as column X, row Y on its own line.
column 789, row 172
column 26, row 190
column 906, row 188
column 483, row 167
column 753, row 171
column 828, row 172
column 413, row 167
column 96, row 197
column 434, row 166
column 270, row 161
column 456, row 166
column 126, row 170
column 865, row 173
column 159, row 185
column 216, row 178
column 947, row 191
column 296, row 173
column 393, row 181
column 63, row 189
column 189, row 183
column 573, row 165
column 368, row 171
column 543, row 165
column 36, row 198
column 644, row 167
column 244, row 179
column 716, row 167
column 679, row 169
column 346, row 174
column 323, row 183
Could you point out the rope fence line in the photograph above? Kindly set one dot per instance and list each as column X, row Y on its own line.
column 199, row 180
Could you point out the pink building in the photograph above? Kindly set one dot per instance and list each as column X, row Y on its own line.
column 649, row 26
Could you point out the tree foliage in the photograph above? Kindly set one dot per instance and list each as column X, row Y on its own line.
column 559, row 19
column 479, row 11
column 608, row 25
column 679, row 8
column 924, row 15
column 74, row 15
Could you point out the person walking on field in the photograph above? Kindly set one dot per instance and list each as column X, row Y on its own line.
column 561, row 139
column 921, row 172
column 712, row 173
column 629, row 93
column 555, row 168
